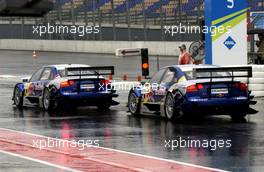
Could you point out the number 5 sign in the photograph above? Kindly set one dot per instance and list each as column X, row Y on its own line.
column 231, row 3
column 227, row 43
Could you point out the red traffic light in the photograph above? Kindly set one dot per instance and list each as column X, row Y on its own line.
column 145, row 62
column 145, row 65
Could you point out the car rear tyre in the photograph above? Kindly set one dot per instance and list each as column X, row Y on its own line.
column 18, row 98
column 47, row 102
column 239, row 114
column 172, row 110
column 103, row 107
column 238, row 117
column 133, row 103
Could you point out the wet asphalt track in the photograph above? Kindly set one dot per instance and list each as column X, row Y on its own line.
column 118, row 129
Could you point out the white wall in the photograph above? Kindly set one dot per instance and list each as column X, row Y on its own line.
column 108, row 47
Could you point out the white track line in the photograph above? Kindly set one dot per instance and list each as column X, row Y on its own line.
column 130, row 153
column 39, row 161
column 8, row 76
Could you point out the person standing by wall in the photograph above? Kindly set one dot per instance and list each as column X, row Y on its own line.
column 260, row 45
column 185, row 58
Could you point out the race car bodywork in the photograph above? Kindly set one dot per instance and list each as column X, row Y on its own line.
column 64, row 85
column 175, row 91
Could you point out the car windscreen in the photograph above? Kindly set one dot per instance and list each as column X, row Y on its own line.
column 190, row 76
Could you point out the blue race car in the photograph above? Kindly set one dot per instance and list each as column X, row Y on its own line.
column 56, row 86
column 176, row 91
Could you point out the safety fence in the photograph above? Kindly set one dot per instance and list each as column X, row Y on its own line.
column 126, row 20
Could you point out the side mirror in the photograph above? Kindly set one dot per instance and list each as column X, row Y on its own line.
column 25, row 80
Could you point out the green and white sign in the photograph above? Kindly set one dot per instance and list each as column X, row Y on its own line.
column 226, row 44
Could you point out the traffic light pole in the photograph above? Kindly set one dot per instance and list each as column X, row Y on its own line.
column 158, row 64
column 144, row 62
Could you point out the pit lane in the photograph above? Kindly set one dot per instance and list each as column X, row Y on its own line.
column 117, row 129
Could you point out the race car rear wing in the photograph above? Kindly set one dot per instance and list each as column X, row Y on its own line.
column 90, row 71
column 222, row 72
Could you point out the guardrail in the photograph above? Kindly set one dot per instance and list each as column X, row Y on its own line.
column 256, row 83
column 102, row 47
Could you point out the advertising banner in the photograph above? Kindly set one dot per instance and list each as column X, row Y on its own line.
column 226, row 43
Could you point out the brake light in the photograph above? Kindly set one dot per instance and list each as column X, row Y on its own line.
column 105, row 82
column 241, row 86
column 194, row 88
column 66, row 83
column 191, row 88
column 200, row 86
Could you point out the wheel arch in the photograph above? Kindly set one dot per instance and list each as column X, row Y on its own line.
column 21, row 88
column 51, row 87
column 136, row 91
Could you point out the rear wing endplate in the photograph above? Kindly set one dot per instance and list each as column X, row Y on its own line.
column 234, row 72
column 90, row 71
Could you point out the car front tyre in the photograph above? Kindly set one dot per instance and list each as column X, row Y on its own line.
column 18, row 98
column 133, row 103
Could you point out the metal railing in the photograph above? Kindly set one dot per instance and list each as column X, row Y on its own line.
column 132, row 20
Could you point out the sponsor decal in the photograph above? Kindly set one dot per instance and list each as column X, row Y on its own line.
column 230, row 43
